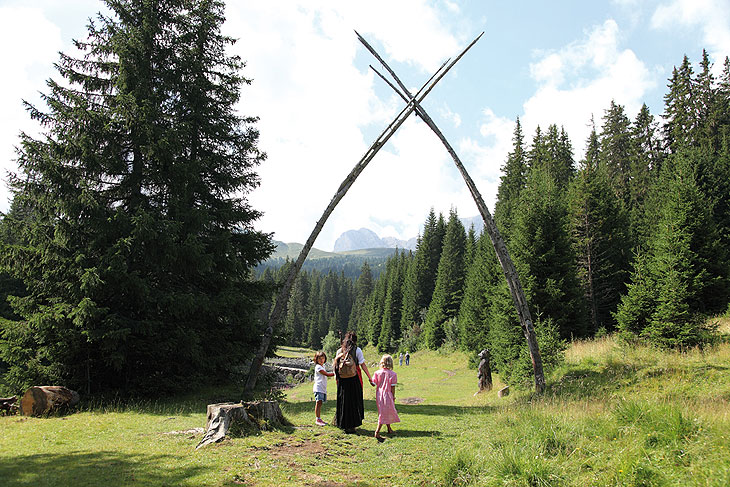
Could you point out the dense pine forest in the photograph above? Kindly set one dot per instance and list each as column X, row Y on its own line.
column 633, row 238
column 129, row 247
column 129, row 255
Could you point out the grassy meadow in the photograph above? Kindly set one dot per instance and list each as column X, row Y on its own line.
column 611, row 416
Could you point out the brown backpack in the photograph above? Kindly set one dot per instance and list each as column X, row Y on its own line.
column 346, row 366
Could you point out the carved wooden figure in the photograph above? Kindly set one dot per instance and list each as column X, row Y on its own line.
column 485, row 371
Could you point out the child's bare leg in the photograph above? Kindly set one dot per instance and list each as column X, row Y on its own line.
column 317, row 408
column 390, row 430
column 377, row 431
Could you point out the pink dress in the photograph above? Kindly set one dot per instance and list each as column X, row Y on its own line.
column 384, row 379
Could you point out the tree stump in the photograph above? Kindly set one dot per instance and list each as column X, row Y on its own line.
column 7, row 405
column 485, row 372
column 257, row 414
column 40, row 400
column 503, row 392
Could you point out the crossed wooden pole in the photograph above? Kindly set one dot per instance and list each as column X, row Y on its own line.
column 413, row 103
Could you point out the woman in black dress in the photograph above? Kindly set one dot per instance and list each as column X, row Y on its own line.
column 350, row 407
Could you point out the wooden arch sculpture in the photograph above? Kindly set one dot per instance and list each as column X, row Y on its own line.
column 413, row 103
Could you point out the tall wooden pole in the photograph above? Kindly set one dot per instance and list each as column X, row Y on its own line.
column 283, row 296
column 508, row 268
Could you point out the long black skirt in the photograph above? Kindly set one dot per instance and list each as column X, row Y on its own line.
column 350, row 409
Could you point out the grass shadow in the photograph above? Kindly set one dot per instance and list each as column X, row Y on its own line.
column 163, row 405
column 408, row 433
column 441, row 409
column 82, row 469
column 329, row 407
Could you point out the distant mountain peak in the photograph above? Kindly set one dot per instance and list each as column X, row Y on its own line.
column 365, row 238
column 368, row 239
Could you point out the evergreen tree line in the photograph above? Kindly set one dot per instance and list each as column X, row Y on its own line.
column 128, row 250
column 349, row 265
column 319, row 303
column 633, row 238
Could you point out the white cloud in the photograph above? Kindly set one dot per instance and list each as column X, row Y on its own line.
column 712, row 16
column 319, row 112
column 452, row 6
column 581, row 79
column 25, row 56
column 449, row 115
column 484, row 157
column 549, row 70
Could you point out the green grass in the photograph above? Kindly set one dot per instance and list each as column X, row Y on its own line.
column 611, row 416
column 294, row 352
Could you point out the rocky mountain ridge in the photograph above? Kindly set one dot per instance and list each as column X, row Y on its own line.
column 365, row 238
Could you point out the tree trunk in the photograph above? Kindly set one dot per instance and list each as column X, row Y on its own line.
column 508, row 268
column 259, row 415
column 40, row 400
column 283, row 298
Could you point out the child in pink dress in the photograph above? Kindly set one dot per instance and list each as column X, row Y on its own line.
column 385, row 380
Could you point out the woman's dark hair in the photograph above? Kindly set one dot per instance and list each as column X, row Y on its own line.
column 349, row 343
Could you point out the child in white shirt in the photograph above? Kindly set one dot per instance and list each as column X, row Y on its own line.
column 320, row 385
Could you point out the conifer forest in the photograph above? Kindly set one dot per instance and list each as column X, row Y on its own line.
column 130, row 255
column 633, row 238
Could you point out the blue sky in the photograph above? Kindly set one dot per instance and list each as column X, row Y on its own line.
column 320, row 107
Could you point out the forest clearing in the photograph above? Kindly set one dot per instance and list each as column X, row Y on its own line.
column 139, row 301
column 610, row 416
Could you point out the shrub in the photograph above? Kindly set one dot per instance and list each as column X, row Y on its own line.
column 330, row 344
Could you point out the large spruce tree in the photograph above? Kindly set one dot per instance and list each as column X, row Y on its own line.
column 138, row 250
column 615, row 153
column 392, row 306
column 646, row 161
column 511, row 183
column 598, row 230
column 544, row 256
column 450, row 278
column 681, row 126
column 683, row 276
column 363, row 287
column 483, row 276
column 420, row 277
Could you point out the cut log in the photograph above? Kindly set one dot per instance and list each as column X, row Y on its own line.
column 40, row 400
column 503, row 392
column 7, row 405
column 257, row 414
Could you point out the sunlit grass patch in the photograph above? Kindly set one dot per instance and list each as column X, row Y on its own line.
column 622, row 417
column 590, row 350
column 723, row 323
column 294, row 352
